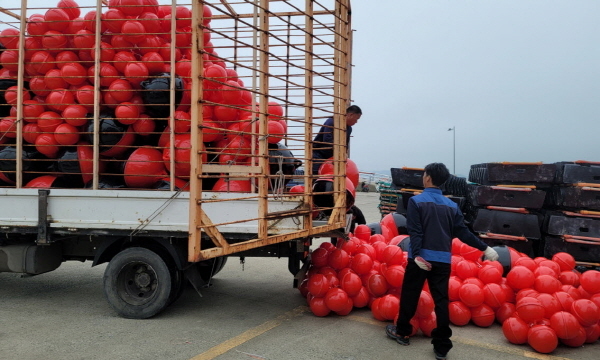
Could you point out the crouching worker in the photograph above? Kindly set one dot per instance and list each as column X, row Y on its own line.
column 432, row 222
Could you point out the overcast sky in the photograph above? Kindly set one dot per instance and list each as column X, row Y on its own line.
column 520, row 81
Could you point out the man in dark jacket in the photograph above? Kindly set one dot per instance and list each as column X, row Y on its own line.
column 323, row 142
column 432, row 221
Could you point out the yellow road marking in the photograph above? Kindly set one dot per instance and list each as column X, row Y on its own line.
column 249, row 334
column 261, row 329
column 471, row 342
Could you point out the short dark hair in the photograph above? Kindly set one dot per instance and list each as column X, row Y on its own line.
column 439, row 173
column 353, row 110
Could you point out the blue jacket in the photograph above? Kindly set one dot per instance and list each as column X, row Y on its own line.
column 432, row 221
column 323, row 146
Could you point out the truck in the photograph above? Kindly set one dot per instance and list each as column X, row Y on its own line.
column 158, row 137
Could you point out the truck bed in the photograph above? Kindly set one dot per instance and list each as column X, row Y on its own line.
column 81, row 211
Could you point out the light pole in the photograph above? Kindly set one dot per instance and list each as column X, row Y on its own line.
column 453, row 129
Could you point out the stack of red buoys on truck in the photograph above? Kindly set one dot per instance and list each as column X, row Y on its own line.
column 135, row 73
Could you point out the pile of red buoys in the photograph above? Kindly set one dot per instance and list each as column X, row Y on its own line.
column 134, row 74
column 538, row 301
column 552, row 303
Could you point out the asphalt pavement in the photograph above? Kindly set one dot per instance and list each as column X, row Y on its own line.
column 251, row 311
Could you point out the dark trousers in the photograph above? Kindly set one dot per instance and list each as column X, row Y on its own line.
column 414, row 279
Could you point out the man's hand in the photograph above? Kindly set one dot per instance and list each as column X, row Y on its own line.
column 423, row 264
column 490, row 254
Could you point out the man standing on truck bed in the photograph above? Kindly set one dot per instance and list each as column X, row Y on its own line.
column 432, row 221
column 323, row 142
column 323, row 150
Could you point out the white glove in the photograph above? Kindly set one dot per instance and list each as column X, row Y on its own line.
column 490, row 254
column 422, row 263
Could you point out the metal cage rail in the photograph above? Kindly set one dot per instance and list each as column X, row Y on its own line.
column 287, row 67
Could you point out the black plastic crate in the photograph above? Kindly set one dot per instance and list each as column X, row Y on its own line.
column 576, row 198
column 512, row 173
column 582, row 172
column 489, row 195
column 530, row 248
column 456, row 186
column 581, row 252
column 507, row 223
column 573, row 225
column 407, row 177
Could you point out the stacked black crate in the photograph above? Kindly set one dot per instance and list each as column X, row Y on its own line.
column 574, row 225
column 388, row 198
column 409, row 182
column 505, row 204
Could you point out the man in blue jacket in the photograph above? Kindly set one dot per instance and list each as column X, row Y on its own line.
column 432, row 221
column 323, row 142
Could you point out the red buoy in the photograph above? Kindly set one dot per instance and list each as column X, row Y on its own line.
column 48, row 121
column 590, row 281
column 54, row 40
column 542, row 339
column 459, row 313
column 121, row 90
column 564, row 324
column 70, row 7
column 133, row 31
column 66, row 134
column 47, row 145
column 57, row 19
column 74, row 73
column 75, row 115
column 143, row 168
column 136, row 72
column 30, row 132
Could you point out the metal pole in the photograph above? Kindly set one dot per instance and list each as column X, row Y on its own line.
column 453, row 129
column 454, row 150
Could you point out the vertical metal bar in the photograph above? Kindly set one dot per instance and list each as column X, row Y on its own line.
column 287, row 74
column 172, row 89
column 350, row 43
column 195, row 229
column 308, row 105
column 254, row 126
column 20, row 87
column 235, row 44
column 339, row 146
column 97, row 52
column 42, row 236
column 263, row 183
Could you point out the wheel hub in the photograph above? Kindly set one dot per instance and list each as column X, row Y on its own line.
column 137, row 283
column 142, row 280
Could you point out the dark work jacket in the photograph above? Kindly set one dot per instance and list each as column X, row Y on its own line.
column 433, row 221
column 323, row 146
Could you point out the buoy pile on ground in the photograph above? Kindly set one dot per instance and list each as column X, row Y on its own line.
column 553, row 303
column 538, row 301
column 135, row 75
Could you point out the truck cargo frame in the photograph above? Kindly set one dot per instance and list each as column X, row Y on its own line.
column 298, row 54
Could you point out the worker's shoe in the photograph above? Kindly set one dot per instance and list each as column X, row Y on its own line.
column 439, row 356
column 390, row 331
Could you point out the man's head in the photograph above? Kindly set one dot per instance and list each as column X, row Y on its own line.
column 353, row 113
column 435, row 175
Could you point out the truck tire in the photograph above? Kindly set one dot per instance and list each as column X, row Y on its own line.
column 177, row 285
column 210, row 268
column 137, row 283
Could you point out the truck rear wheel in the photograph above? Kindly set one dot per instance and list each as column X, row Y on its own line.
column 177, row 285
column 137, row 283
